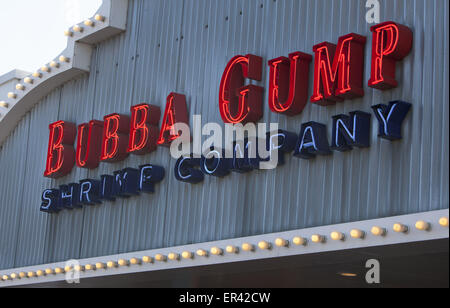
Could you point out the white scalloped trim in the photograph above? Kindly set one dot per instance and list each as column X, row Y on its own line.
column 73, row 61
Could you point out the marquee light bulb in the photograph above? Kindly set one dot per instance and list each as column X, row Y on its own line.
column 147, row 259
column 79, row 268
column 99, row 265
column 68, row 33
column 111, row 264
column 12, row 95
column 216, row 251
column 13, row 276
column 400, row 228
column 187, row 255
column 68, row 269
column 443, row 221
column 135, row 261
column 89, row 23
column 46, row 69
column 31, row 274
column 37, row 75
column 337, row 236
column 423, row 225
column 279, row 242
column 299, row 241
column 54, row 64
column 358, row 234
column 4, row 104
column 264, row 245
column 59, row 270
column 49, row 271
column 77, row 28
column 316, row 238
column 202, row 253
column 248, row 247
column 40, row 273
column 161, row 258
column 89, row 267
column 28, row 80
column 22, row 275
column 99, row 17
column 123, row 262
column 173, row 256
column 20, row 87
column 6, row 277
column 63, row 59
column 232, row 249
column 378, row 231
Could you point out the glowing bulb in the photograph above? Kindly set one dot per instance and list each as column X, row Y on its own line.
column 20, row 87
column 378, row 231
column 356, row 233
column 28, row 80
column 173, row 256
column 299, row 241
column 337, row 236
column 46, row 69
column 281, row 242
column 232, row 249
column 6, row 277
column 54, row 64
column 37, row 75
column 202, row 253
column 400, row 228
column 89, row 267
column 68, row 269
column 79, row 268
column 247, row 247
column 111, row 264
column 99, row 265
column 135, row 261
column 316, row 238
column 89, row 23
column 123, row 262
column 99, row 17
column 40, row 273
column 422, row 225
column 31, row 274
column 187, row 255
column 59, row 270
column 160, row 258
column 77, row 28
column 216, row 251
column 147, row 259
column 4, row 104
column 443, row 221
column 63, row 59
column 264, row 245
column 14, row 276
column 12, row 95
column 49, row 271
column 68, row 33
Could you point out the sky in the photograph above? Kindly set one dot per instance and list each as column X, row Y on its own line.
column 32, row 31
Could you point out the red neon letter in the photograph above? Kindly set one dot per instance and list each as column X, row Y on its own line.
column 89, row 145
column 144, row 129
column 295, row 73
column 391, row 42
column 176, row 112
column 239, row 103
column 344, row 78
column 61, row 154
column 115, row 138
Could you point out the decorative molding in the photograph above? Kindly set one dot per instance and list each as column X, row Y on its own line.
column 75, row 60
column 322, row 239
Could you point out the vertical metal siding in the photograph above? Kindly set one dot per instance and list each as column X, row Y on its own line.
column 183, row 46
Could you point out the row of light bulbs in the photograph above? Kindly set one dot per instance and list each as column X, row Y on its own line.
column 230, row 249
column 53, row 64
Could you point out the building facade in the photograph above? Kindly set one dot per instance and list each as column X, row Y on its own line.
column 139, row 51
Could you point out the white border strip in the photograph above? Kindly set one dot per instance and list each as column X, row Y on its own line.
column 73, row 61
column 391, row 237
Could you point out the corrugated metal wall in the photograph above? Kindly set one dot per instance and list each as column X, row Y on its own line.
column 183, row 46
